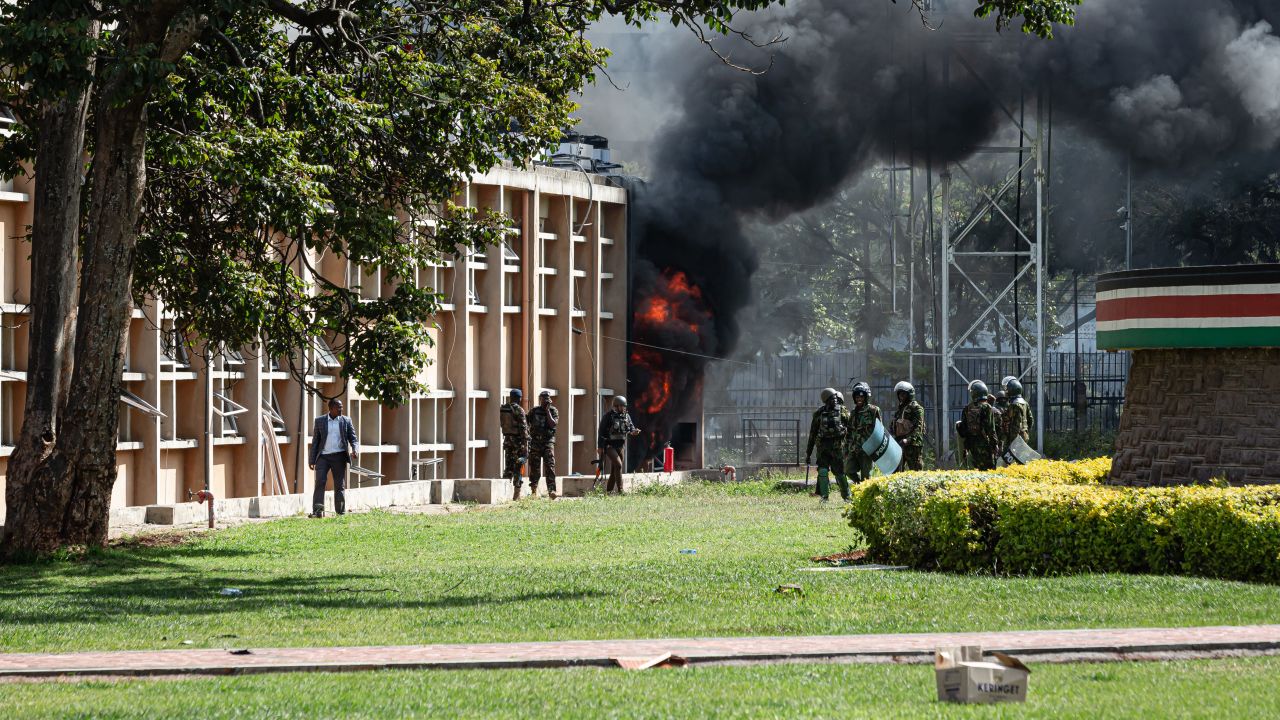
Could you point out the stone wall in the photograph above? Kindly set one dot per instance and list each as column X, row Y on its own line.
column 1194, row 415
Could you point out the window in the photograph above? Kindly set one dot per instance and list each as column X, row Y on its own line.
column 173, row 350
column 325, row 356
column 272, row 409
column 509, row 256
column 232, row 358
column 227, row 409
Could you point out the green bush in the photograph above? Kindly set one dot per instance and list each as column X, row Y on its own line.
column 1065, row 521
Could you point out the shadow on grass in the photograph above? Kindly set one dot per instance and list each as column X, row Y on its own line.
column 192, row 592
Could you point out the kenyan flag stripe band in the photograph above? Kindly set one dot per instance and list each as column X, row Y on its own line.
column 1190, row 306
column 1204, row 307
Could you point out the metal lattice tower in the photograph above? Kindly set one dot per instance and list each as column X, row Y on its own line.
column 960, row 258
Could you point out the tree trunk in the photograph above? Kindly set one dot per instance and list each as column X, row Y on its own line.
column 102, row 324
column 35, row 498
column 67, row 492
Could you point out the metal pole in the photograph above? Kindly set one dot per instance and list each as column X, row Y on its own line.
column 1040, row 256
column 208, row 420
column 1075, row 313
column 945, row 272
column 1128, row 215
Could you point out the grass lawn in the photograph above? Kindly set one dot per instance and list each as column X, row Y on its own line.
column 1201, row 689
column 593, row 568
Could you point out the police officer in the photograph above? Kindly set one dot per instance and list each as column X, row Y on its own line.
column 908, row 427
column 978, row 427
column 542, row 444
column 515, row 438
column 826, row 433
column 857, row 463
column 1018, row 418
column 615, row 428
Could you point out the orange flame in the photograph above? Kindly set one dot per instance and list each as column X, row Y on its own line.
column 664, row 310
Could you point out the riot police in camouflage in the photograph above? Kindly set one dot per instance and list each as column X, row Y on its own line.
column 857, row 463
column 978, row 428
column 542, row 443
column 611, row 438
column 826, row 434
column 1018, row 418
column 908, row 427
column 515, row 438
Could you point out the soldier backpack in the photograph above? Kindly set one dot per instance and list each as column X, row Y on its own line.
column 831, row 424
column 973, row 422
column 507, row 418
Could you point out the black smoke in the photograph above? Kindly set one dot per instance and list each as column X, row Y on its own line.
column 1174, row 84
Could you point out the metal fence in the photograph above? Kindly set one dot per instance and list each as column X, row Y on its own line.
column 748, row 409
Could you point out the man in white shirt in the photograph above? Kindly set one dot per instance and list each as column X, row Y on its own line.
column 330, row 439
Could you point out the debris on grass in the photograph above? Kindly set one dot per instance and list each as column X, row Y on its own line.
column 844, row 558
column 790, row 590
column 846, row 568
column 665, row 660
column 689, row 551
column 231, row 592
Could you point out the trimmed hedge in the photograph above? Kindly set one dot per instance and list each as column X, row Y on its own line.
column 1054, row 517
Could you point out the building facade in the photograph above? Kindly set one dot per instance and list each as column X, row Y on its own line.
column 545, row 311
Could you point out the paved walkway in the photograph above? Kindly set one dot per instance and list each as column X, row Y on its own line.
column 1043, row 645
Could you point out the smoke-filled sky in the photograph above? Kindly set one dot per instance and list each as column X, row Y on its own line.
column 1178, row 85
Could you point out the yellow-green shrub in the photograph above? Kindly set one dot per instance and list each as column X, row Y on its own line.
column 1063, row 521
column 1081, row 472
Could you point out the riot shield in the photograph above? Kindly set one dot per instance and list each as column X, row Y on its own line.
column 883, row 450
column 1020, row 452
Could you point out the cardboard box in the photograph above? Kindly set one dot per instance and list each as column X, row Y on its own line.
column 965, row 676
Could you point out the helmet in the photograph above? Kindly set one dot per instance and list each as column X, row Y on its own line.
column 1012, row 387
column 544, row 394
column 1006, row 380
column 516, row 394
column 905, row 387
column 619, row 400
column 862, row 389
column 826, row 394
column 978, row 390
column 839, row 398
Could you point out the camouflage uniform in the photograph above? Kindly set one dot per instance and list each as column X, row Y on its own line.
column 611, row 440
column 542, row 446
column 857, row 463
column 912, row 443
column 978, row 421
column 1017, row 420
column 515, row 441
column 829, row 441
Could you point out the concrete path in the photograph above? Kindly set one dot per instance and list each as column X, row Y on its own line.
column 1038, row 645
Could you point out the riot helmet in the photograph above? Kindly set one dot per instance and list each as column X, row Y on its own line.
column 826, row 394
column 978, row 390
column 1012, row 387
column 905, row 387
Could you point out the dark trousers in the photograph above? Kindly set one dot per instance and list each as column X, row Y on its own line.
column 613, row 457
column 542, row 460
column 335, row 464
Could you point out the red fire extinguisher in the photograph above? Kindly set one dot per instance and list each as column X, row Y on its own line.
column 668, row 458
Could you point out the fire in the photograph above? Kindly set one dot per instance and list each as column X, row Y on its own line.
column 657, row 393
column 672, row 316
